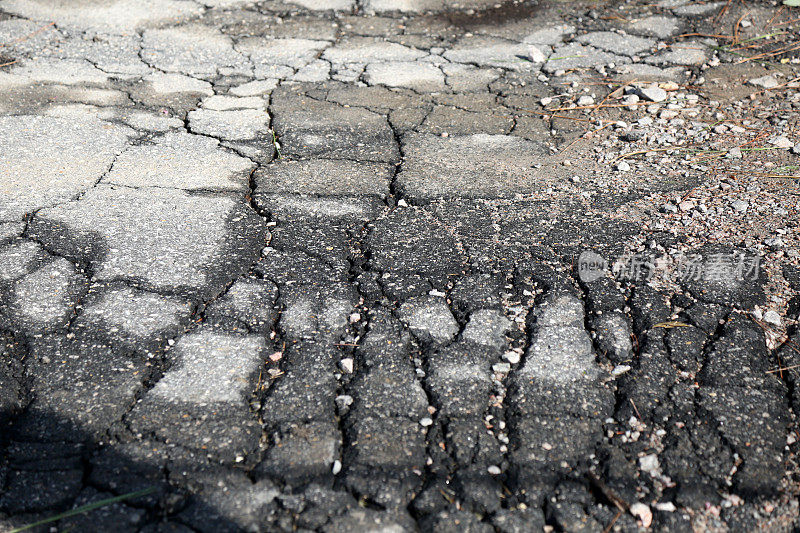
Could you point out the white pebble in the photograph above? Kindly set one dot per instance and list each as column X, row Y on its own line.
column 346, row 365
column 536, row 55
column 643, row 513
column 772, row 317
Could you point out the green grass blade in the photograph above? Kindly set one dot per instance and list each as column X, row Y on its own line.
column 86, row 508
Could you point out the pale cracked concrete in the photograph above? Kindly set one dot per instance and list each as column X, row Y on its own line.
column 297, row 265
column 48, row 161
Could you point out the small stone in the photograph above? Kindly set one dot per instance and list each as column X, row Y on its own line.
column 643, row 513
column 651, row 94
column 425, row 422
column 782, row 142
column 734, row 500
column 734, row 153
column 767, row 82
column 585, row 100
column 337, row 467
column 620, row 369
column 644, row 121
column 666, row 507
column 535, row 55
column 740, row 206
column 686, row 205
column 501, row 368
column 355, row 317
column 512, row 357
column 623, row 166
column 630, row 100
column 669, row 86
column 772, row 317
column 346, row 365
column 343, row 403
column 546, row 101
column 494, row 470
column 649, row 464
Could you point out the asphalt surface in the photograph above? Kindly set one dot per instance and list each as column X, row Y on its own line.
column 322, row 266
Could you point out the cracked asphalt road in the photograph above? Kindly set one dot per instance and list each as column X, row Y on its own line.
column 315, row 265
